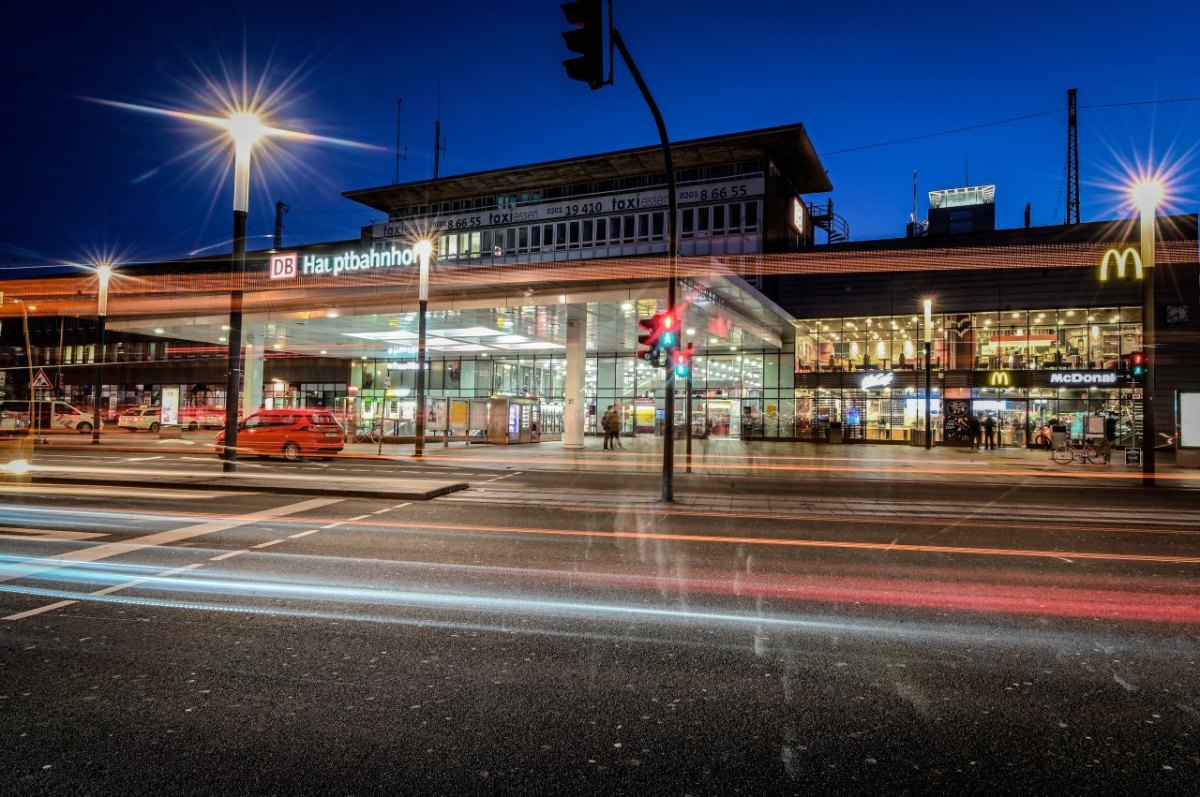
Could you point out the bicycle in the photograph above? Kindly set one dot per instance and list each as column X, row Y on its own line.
column 1083, row 452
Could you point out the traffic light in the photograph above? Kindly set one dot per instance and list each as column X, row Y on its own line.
column 658, row 334
column 1137, row 365
column 683, row 362
column 587, row 40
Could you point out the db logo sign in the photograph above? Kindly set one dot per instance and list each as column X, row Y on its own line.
column 283, row 266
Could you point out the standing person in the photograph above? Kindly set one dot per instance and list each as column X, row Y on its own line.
column 608, row 423
column 989, row 433
column 973, row 430
column 617, row 423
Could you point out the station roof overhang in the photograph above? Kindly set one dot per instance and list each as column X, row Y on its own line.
column 494, row 311
column 787, row 146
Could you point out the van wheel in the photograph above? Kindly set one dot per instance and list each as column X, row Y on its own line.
column 154, row 427
column 84, row 428
column 291, row 452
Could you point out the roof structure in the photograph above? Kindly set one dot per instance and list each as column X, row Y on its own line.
column 786, row 146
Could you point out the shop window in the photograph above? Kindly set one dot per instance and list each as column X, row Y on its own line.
column 718, row 219
column 643, row 227
column 560, row 235
column 658, row 220
column 601, row 232
column 573, row 227
column 702, row 221
column 630, row 234
column 523, row 239
column 688, row 218
column 735, row 217
column 587, row 227
column 535, row 238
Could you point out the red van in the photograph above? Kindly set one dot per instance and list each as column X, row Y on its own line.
column 291, row 434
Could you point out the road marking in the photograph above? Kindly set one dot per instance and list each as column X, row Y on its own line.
column 360, row 517
column 162, row 538
column 229, row 555
column 106, row 591
column 14, row 533
column 267, row 544
column 401, row 506
column 498, row 478
column 142, row 459
column 303, row 534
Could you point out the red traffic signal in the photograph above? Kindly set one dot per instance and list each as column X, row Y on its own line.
column 588, row 41
column 1137, row 364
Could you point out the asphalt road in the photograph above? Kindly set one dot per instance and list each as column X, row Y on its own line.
column 568, row 634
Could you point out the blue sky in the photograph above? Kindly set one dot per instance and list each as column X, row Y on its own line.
column 84, row 178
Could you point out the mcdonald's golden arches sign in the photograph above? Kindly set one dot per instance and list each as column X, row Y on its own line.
column 1121, row 259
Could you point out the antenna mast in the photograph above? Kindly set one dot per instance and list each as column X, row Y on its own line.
column 1072, row 158
column 439, row 143
column 399, row 155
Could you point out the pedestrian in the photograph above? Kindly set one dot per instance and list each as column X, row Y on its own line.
column 616, row 428
column 608, row 424
column 989, row 433
column 973, row 430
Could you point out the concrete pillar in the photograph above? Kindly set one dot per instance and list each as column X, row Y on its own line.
column 573, row 408
column 252, row 382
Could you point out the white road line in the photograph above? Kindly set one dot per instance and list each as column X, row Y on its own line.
column 229, row 555
column 162, row 538
column 106, row 591
column 142, row 459
column 15, row 533
column 303, row 534
column 498, row 478
column 335, row 525
column 360, row 517
column 401, row 506
column 267, row 544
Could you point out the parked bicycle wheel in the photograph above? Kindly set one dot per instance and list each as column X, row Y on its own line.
column 1062, row 455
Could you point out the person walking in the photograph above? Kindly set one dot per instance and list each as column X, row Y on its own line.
column 989, row 433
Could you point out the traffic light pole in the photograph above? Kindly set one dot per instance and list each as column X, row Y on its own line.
column 1149, row 433
column 668, row 491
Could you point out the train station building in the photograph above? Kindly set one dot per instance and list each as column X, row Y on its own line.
column 541, row 272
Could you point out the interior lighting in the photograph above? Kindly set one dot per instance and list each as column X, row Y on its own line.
column 157, row 330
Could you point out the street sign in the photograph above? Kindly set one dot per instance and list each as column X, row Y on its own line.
column 1133, row 457
column 41, row 381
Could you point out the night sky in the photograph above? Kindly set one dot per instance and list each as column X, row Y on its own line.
column 85, row 180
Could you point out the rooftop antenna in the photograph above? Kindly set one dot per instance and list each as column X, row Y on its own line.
column 439, row 143
column 280, row 209
column 399, row 156
column 966, row 169
column 1072, row 158
column 913, row 218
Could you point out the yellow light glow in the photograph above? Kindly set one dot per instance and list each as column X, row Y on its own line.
column 17, row 466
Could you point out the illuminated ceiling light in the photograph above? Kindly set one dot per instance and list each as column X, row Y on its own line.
column 222, row 339
column 331, row 314
column 627, row 306
column 324, row 352
column 691, row 332
column 278, row 346
column 157, row 330
column 224, row 327
column 1070, row 313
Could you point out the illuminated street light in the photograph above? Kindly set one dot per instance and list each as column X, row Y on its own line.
column 245, row 126
column 423, row 249
column 1147, row 194
column 103, row 275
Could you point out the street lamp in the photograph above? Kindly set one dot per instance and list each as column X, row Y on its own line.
column 245, row 129
column 928, row 303
column 103, row 274
column 1147, row 194
column 423, row 249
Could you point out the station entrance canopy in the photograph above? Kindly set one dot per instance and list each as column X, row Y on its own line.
column 351, row 303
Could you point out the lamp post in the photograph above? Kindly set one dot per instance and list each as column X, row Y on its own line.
column 103, row 274
column 423, row 249
column 244, row 128
column 928, row 303
column 1146, row 195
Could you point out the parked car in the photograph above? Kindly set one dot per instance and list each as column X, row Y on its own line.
column 291, row 434
column 193, row 418
column 48, row 415
column 141, row 418
column 113, row 414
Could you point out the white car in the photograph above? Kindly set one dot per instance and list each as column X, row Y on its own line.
column 147, row 418
column 44, row 415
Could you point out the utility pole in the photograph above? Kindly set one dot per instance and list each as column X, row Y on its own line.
column 439, row 143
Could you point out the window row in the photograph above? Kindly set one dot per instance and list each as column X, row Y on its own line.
column 703, row 173
column 632, row 228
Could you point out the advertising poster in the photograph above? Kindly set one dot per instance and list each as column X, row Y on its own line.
column 170, row 407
